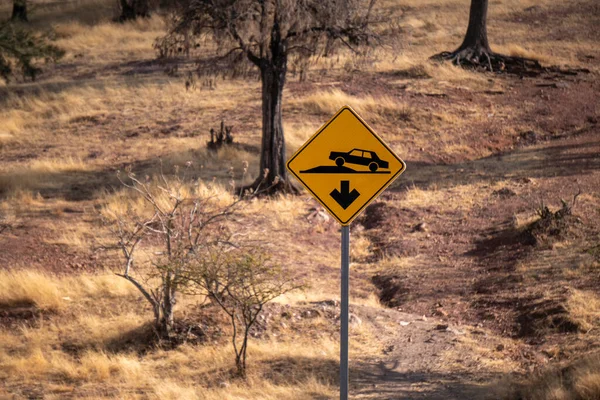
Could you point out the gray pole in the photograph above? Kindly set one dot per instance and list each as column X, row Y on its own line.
column 344, row 313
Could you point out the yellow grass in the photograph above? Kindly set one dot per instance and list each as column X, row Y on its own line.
column 92, row 318
column 298, row 133
column 88, row 302
column 580, row 380
column 281, row 211
column 361, row 248
column 24, row 116
column 127, row 201
column 515, row 50
column 40, row 174
column 371, row 108
column 458, row 197
column 397, row 264
column 584, row 309
column 130, row 39
column 28, row 287
column 69, row 353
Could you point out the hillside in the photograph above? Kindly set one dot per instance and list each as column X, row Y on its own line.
column 467, row 279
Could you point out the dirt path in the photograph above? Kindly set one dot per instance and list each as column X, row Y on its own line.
column 422, row 359
column 566, row 157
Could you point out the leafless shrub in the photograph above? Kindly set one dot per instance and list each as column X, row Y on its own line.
column 176, row 219
column 553, row 225
column 241, row 281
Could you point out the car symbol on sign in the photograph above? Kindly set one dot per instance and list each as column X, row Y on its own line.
column 359, row 157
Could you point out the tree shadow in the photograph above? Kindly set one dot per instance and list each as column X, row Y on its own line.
column 526, row 163
column 286, row 370
column 140, row 340
column 554, row 160
column 89, row 185
column 379, row 381
column 131, row 74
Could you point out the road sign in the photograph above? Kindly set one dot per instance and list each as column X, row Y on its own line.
column 345, row 165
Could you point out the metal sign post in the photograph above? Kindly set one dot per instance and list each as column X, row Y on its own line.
column 344, row 312
column 345, row 166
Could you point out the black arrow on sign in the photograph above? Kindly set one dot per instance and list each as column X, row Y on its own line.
column 345, row 197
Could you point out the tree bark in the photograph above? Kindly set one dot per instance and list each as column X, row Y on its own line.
column 272, row 158
column 273, row 176
column 167, row 306
column 19, row 12
column 476, row 36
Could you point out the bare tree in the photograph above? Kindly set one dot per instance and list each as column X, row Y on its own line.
column 19, row 12
column 241, row 282
column 266, row 33
column 178, row 221
column 475, row 49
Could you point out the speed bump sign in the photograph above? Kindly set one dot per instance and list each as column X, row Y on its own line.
column 345, row 165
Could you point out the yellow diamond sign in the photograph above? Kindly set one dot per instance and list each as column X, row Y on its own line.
column 345, row 165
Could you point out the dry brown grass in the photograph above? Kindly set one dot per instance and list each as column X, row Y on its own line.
column 132, row 39
column 38, row 174
column 458, row 197
column 329, row 102
column 580, row 380
column 584, row 309
column 25, row 116
column 96, row 311
column 28, row 287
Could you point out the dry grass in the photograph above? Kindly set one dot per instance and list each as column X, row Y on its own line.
column 132, row 39
column 297, row 133
column 518, row 51
column 28, row 287
column 38, row 174
column 108, row 99
column 486, row 354
column 24, row 115
column 329, row 102
column 96, row 312
column 127, row 201
column 397, row 264
column 458, row 197
column 584, row 309
column 281, row 211
column 360, row 248
column 578, row 381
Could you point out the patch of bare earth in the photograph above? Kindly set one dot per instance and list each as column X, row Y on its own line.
column 495, row 264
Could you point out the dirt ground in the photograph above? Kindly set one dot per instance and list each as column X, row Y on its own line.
column 468, row 270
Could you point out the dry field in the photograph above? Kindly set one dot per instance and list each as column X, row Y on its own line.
column 458, row 289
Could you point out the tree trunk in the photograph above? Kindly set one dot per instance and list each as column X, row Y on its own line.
column 475, row 49
column 19, row 12
column 133, row 9
column 272, row 158
column 476, row 37
column 168, row 306
column 273, row 176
